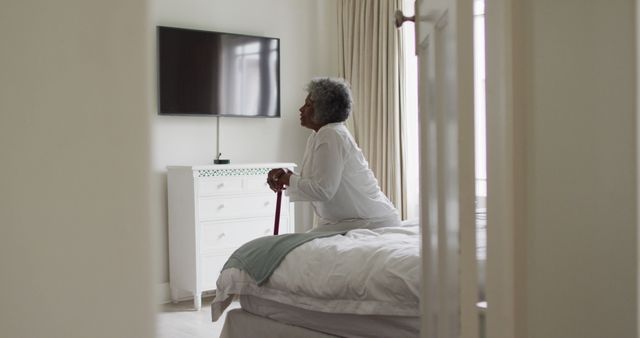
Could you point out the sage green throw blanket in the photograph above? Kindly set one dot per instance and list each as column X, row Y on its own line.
column 261, row 256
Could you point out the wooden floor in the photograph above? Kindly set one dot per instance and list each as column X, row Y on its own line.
column 182, row 321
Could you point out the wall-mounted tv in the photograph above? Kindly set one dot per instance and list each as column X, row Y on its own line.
column 203, row 73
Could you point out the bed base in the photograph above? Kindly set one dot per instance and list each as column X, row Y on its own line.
column 242, row 324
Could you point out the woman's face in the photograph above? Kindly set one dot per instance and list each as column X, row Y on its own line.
column 306, row 114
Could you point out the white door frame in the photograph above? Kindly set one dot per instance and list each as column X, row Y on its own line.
column 444, row 42
column 505, row 283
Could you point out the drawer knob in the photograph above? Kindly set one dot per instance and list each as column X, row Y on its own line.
column 220, row 186
column 221, row 235
column 221, row 206
column 267, row 230
column 266, row 204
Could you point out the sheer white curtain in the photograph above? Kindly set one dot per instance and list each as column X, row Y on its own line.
column 370, row 60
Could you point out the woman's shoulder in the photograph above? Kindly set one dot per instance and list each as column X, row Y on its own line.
column 333, row 130
column 338, row 134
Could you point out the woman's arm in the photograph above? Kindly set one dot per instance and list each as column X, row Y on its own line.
column 323, row 180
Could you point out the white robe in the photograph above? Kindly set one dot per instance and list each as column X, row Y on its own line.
column 336, row 179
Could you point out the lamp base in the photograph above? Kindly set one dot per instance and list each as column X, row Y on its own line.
column 221, row 161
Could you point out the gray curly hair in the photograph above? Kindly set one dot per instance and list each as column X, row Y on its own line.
column 331, row 99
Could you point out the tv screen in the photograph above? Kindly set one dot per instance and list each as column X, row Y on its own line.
column 206, row 73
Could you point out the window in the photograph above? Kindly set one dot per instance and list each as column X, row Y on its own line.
column 410, row 118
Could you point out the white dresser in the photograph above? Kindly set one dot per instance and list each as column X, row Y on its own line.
column 213, row 210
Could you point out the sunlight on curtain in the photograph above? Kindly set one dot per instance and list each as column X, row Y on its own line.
column 369, row 61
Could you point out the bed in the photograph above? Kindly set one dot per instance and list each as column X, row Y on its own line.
column 362, row 283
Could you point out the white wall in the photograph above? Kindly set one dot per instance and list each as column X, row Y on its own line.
column 576, row 97
column 308, row 48
column 74, row 179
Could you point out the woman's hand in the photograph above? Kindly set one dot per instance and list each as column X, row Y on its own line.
column 278, row 179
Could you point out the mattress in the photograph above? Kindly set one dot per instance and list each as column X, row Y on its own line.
column 364, row 272
column 365, row 283
column 339, row 324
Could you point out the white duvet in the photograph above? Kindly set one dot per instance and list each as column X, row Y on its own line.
column 363, row 272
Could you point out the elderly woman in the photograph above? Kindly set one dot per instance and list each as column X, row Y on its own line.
column 334, row 175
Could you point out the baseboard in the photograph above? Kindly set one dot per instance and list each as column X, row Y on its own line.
column 163, row 294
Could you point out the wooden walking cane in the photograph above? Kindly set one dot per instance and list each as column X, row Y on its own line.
column 276, row 226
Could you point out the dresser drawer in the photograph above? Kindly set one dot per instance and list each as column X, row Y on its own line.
column 221, row 235
column 216, row 186
column 257, row 184
column 211, row 208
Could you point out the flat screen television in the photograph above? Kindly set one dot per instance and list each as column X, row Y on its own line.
column 203, row 73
